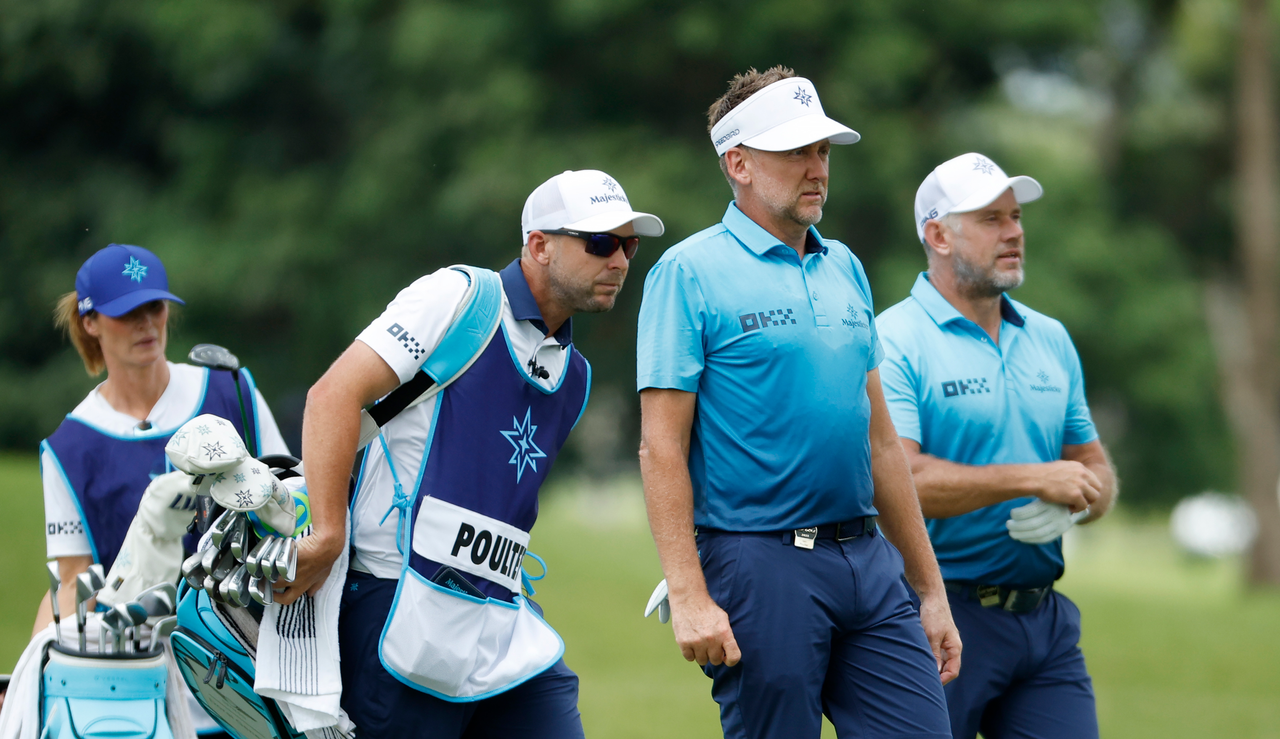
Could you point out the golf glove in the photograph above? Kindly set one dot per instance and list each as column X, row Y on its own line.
column 152, row 550
column 659, row 601
column 1039, row 522
column 206, row 445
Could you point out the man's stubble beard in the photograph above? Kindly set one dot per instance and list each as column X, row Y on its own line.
column 975, row 281
column 579, row 296
column 788, row 207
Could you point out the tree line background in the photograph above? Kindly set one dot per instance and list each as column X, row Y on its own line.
column 296, row 163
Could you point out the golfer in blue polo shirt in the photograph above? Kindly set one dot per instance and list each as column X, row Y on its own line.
column 768, row 454
column 988, row 397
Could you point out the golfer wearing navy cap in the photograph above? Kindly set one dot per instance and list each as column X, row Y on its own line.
column 989, row 399
column 768, row 455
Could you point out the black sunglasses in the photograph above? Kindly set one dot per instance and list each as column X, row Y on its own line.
column 603, row 244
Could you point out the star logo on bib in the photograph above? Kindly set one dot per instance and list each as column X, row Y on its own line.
column 521, row 438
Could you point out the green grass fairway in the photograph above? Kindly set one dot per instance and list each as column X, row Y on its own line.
column 1175, row 646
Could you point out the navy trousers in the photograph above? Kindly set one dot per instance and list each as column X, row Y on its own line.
column 543, row 707
column 829, row 631
column 1022, row 675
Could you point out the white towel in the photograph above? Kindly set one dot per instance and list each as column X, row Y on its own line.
column 20, row 715
column 298, row 662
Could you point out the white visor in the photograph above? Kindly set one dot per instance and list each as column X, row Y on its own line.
column 783, row 116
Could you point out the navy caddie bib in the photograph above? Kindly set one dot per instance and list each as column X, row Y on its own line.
column 107, row 474
column 494, row 436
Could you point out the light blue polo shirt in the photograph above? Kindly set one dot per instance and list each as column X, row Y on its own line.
column 777, row 348
column 967, row 400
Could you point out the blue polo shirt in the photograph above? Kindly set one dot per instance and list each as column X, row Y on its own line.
column 777, row 348
column 967, row 400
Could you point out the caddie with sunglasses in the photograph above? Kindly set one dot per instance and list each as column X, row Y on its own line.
column 435, row 636
column 778, row 493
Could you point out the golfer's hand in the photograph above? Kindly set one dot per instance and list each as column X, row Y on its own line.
column 702, row 631
column 315, row 558
column 944, row 638
column 1070, row 484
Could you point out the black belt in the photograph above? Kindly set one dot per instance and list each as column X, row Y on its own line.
column 993, row 596
column 844, row 531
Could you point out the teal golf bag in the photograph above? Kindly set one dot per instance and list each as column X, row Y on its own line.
column 214, row 649
column 91, row 696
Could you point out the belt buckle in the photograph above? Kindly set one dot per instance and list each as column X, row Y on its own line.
column 1025, row 601
column 842, row 537
column 804, row 538
column 988, row 595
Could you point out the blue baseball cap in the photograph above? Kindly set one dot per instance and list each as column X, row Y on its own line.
column 120, row 278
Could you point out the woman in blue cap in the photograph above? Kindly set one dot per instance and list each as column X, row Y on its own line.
column 101, row 458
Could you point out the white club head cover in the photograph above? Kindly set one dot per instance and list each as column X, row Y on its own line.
column 1039, row 522
column 205, row 445
column 250, row 486
column 152, row 550
column 659, row 601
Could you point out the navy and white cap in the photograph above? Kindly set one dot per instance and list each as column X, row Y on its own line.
column 783, row 116
column 967, row 183
column 585, row 200
column 120, row 278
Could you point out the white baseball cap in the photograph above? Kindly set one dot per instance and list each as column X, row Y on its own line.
column 783, row 116
column 585, row 200
column 967, row 183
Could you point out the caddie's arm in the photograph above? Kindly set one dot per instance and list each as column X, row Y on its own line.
column 701, row 627
column 903, row 524
column 1082, row 478
column 330, row 432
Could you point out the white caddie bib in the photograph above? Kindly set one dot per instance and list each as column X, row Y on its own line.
column 470, row 542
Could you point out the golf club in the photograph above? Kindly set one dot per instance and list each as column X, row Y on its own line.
column 267, row 566
column 260, row 591
column 126, row 616
column 254, row 561
column 163, row 628
column 209, row 557
column 238, row 536
column 55, row 582
column 158, row 600
column 222, row 527
column 99, row 575
column 193, row 571
column 286, row 565
column 217, row 357
column 235, row 589
column 84, row 591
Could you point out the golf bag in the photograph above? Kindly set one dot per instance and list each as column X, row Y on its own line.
column 116, row 695
column 214, row 649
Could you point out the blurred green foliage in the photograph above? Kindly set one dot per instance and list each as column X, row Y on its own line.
column 296, row 163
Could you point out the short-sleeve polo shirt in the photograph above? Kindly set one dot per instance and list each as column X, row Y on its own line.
column 777, row 348
column 966, row 399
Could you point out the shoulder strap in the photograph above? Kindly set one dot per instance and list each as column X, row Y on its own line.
column 473, row 327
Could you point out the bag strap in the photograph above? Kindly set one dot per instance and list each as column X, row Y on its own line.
column 473, row 327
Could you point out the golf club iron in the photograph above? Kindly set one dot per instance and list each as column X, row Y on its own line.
column 193, row 571
column 84, row 591
column 286, row 565
column 163, row 628
column 55, row 582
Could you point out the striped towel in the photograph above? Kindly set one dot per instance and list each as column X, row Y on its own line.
column 297, row 660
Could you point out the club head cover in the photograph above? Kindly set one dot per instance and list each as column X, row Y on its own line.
column 206, row 445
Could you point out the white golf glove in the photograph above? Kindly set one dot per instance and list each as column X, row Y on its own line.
column 250, row 486
column 659, row 601
column 152, row 550
column 206, row 444
column 1039, row 522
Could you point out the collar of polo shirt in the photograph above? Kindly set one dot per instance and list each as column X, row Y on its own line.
column 783, row 116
